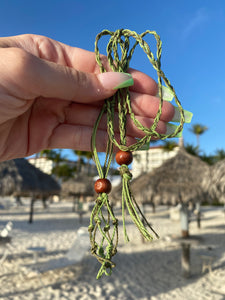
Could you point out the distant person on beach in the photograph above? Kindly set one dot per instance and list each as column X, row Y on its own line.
column 51, row 94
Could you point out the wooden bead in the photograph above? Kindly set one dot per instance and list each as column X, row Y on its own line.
column 124, row 157
column 103, row 185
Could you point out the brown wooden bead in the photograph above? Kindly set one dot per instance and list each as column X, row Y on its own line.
column 103, row 185
column 124, row 157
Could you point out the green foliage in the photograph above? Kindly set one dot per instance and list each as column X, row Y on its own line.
column 198, row 129
column 219, row 154
column 82, row 157
column 54, row 155
column 169, row 145
column 83, row 154
column 209, row 159
column 64, row 171
column 193, row 150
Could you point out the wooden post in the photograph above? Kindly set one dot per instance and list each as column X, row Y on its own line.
column 18, row 201
column 80, row 209
column 153, row 207
column 44, row 202
column 80, row 217
column 31, row 210
column 198, row 214
column 75, row 204
column 185, row 259
column 184, row 216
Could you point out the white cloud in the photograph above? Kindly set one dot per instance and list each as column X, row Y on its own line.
column 195, row 22
column 218, row 100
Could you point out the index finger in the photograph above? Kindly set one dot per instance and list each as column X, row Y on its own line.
column 77, row 58
column 85, row 61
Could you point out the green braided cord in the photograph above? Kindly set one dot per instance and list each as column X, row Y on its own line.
column 93, row 144
column 122, row 66
column 119, row 54
column 132, row 206
column 103, row 247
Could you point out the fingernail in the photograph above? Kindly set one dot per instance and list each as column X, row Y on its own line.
column 167, row 95
column 127, row 81
column 187, row 115
column 115, row 80
column 171, row 128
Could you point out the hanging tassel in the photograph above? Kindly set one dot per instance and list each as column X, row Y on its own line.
column 130, row 202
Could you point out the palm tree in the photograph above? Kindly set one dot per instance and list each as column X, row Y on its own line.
column 193, row 150
column 198, row 129
column 82, row 155
column 88, row 156
column 219, row 155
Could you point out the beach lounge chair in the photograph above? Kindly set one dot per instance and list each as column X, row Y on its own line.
column 6, row 230
column 5, row 240
column 207, row 262
column 75, row 254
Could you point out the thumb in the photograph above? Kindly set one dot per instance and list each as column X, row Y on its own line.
column 91, row 87
column 48, row 79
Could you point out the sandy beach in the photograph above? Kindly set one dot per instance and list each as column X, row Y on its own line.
column 143, row 270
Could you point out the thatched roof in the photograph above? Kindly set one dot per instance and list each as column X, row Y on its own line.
column 215, row 182
column 20, row 178
column 177, row 179
column 79, row 186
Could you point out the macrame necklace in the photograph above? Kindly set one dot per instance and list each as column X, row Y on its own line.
column 103, row 228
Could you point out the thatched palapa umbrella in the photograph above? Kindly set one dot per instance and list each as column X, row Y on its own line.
column 20, row 178
column 177, row 180
column 80, row 188
column 215, row 182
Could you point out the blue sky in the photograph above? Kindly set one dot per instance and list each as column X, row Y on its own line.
column 192, row 32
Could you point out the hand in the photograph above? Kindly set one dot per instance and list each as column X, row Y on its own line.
column 50, row 96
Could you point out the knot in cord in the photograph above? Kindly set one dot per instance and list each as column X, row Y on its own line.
column 90, row 228
column 125, row 172
column 106, row 228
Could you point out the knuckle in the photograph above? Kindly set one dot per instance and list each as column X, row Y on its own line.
column 47, row 50
column 80, row 77
column 18, row 67
column 18, row 62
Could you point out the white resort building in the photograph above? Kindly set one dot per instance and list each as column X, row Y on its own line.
column 42, row 163
column 146, row 161
column 46, row 165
